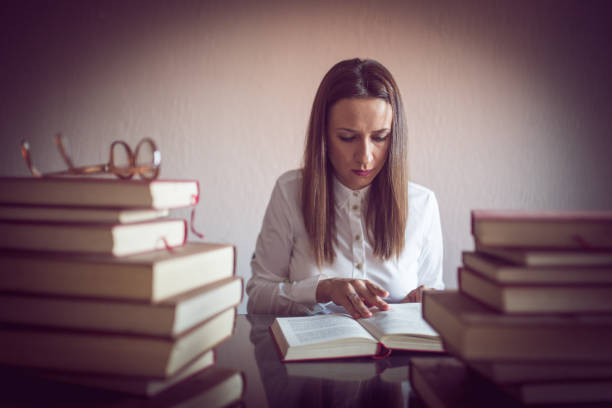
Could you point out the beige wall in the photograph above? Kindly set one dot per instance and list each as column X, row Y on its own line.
column 508, row 102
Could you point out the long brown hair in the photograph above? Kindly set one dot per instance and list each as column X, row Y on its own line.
column 387, row 209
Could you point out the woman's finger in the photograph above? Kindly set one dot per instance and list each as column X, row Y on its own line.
column 375, row 293
column 416, row 295
column 360, row 308
column 377, row 290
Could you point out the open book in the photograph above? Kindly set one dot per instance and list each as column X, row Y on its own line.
column 339, row 335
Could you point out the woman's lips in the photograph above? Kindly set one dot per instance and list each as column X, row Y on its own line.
column 362, row 173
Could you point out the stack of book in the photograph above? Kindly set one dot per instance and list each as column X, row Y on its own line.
column 98, row 287
column 532, row 320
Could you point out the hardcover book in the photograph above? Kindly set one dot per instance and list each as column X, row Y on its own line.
column 212, row 387
column 107, row 239
column 519, row 373
column 147, row 277
column 339, row 335
column 531, row 257
column 475, row 332
column 563, row 392
column 99, row 192
column 215, row 387
column 169, row 318
column 501, row 271
column 111, row 353
column 79, row 214
column 446, row 382
column 134, row 385
column 515, row 298
column 579, row 230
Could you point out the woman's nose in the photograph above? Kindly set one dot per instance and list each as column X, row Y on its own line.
column 364, row 153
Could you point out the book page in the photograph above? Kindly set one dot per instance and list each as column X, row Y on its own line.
column 402, row 318
column 321, row 328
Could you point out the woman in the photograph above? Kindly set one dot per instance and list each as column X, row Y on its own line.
column 348, row 228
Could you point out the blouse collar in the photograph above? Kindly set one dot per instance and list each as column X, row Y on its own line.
column 343, row 194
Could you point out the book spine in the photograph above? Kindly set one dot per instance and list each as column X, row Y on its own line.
column 382, row 352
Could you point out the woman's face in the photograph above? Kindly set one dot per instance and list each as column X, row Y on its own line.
column 358, row 138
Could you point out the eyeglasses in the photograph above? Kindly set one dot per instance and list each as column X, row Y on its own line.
column 123, row 162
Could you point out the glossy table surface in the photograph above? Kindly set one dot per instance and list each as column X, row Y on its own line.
column 354, row 382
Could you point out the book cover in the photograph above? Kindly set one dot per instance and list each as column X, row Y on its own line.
column 150, row 277
column 445, row 382
column 554, row 229
column 107, row 239
column 99, row 192
column 111, row 353
column 212, row 387
column 520, row 373
column 131, row 385
column 215, row 387
column 533, row 257
column 79, row 214
column 562, row 392
column 520, row 298
column 478, row 333
column 505, row 272
column 169, row 318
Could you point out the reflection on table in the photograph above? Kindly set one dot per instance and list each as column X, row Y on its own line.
column 352, row 382
column 267, row 381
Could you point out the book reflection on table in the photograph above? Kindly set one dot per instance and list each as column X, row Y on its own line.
column 317, row 383
column 212, row 387
column 341, row 370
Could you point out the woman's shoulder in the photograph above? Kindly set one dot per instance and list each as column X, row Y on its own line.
column 290, row 177
column 288, row 186
column 417, row 191
column 420, row 197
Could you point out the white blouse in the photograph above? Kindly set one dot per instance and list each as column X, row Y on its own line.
column 285, row 274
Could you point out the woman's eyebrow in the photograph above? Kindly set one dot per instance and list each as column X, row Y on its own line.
column 356, row 131
column 347, row 130
column 381, row 130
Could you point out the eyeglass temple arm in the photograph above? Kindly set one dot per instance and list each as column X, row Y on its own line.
column 59, row 142
column 25, row 152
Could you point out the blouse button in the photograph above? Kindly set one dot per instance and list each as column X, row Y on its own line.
column 359, row 266
column 355, row 207
column 357, row 237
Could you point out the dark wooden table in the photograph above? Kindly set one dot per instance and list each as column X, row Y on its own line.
column 357, row 382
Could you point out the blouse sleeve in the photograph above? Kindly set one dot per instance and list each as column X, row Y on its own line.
column 269, row 289
column 430, row 259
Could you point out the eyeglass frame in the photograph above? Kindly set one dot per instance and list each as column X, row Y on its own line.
column 121, row 172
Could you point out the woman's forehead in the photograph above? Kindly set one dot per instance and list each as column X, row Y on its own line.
column 361, row 113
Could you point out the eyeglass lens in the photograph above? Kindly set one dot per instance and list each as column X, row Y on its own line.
column 147, row 157
column 121, row 159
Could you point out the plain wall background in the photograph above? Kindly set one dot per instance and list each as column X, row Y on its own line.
column 509, row 102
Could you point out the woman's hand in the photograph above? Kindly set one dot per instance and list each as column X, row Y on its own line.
column 356, row 295
column 415, row 295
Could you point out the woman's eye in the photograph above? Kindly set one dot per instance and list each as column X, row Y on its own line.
column 380, row 138
column 346, row 138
